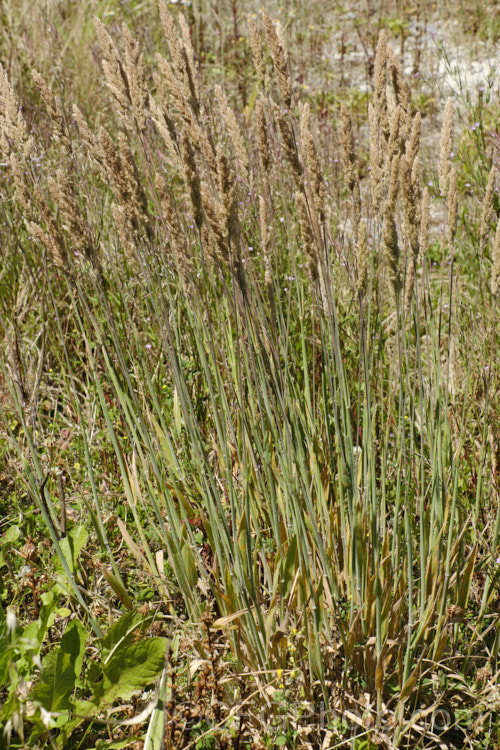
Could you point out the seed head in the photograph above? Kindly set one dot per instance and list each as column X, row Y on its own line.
column 279, row 54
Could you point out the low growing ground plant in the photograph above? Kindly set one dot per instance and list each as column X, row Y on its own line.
column 250, row 395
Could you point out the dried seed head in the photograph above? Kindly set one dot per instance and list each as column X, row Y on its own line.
column 304, row 121
column 165, row 126
column 112, row 164
column 191, row 84
column 230, row 219
column 126, row 233
column 375, row 158
column 85, row 132
column 234, row 131
column 182, row 81
column 192, row 179
column 390, row 234
column 73, row 222
column 413, row 143
column 308, row 243
column 226, row 187
column 125, row 75
column 415, row 173
column 411, row 203
column 216, row 240
column 53, row 243
column 264, row 152
column 290, row 146
column 393, row 183
column 225, row 182
column 189, row 58
column 257, row 51
column 51, row 236
column 446, row 147
column 391, row 251
column 43, row 226
column 172, row 37
column 209, row 243
column 309, row 149
column 13, row 129
column 393, row 146
column 135, row 197
column 176, row 235
column 380, row 101
column 279, row 54
column 203, row 144
column 135, row 72
column 118, row 167
column 171, row 83
column 349, row 163
column 116, row 79
column 24, row 192
column 380, row 73
column 400, row 89
column 392, row 103
column 61, row 133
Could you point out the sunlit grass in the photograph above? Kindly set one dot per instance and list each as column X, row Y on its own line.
column 249, row 388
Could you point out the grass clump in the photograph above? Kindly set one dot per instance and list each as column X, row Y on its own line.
column 250, row 396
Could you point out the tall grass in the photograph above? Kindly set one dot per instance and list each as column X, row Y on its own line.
column 284, row 373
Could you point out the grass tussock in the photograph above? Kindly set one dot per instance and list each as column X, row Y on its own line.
column 249, row 399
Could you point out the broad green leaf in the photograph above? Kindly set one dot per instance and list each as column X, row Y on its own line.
column 34, row 634
column 58, row 722
column 8, row 708
column 81, row 711
column 121, row 634
column 75, row 637
column 11, row 535
column 61, row 668
column 131, row 669
column 71, row 547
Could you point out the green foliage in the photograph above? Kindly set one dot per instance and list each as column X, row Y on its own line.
column 63, row 698
column 210, row 415
column 71, row 547
column 60, row 670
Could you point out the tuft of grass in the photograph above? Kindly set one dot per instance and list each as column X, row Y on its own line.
column 253, row 386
